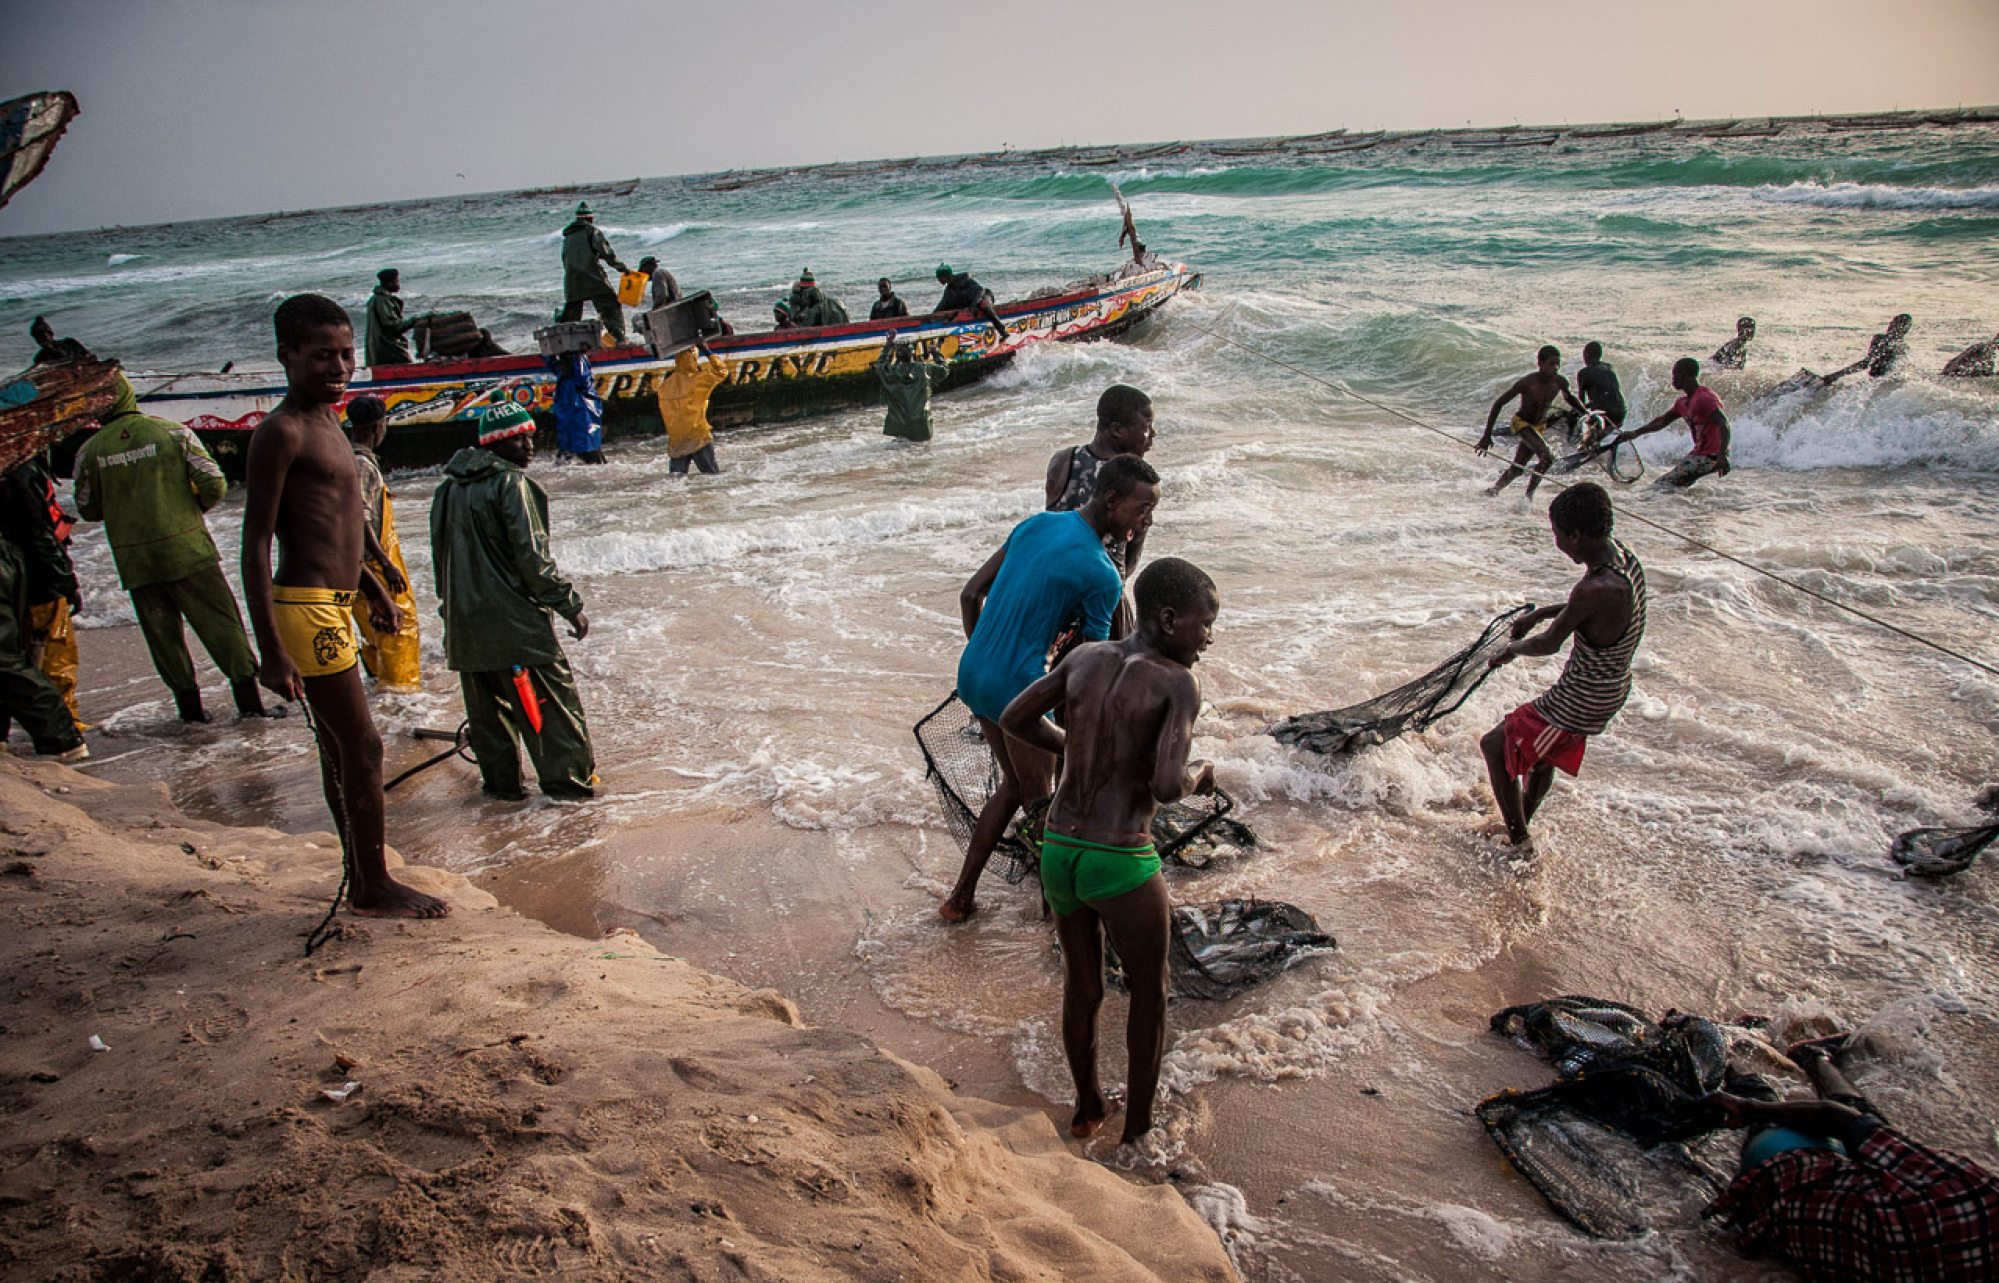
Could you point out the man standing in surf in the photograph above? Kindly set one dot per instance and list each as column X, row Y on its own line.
column 305, row 491
column 1605, row 613
column 1701, row 408
column 1537, row 392
column 1129, row 709
column 1052, row 570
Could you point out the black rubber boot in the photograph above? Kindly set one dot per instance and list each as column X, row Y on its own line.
column 250, row 700
column 188, row 703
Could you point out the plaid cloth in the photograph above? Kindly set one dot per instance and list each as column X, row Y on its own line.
column 1895, row 1212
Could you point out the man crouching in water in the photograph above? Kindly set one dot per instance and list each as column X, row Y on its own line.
column 1606, row 613
column 1129, row 708
column 304, row 489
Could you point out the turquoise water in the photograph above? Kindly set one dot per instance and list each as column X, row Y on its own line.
column 762, row 640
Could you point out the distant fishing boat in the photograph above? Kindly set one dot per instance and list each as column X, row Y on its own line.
column 1352, row 142
column 1625, row 131
column 1508, row 140
column 1740, row 130
column 772, row 375
column 734, row 182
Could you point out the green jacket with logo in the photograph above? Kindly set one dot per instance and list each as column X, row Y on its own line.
column 496, row 582
column 149, row 480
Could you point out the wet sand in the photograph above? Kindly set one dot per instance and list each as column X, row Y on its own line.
column 1323, row 1128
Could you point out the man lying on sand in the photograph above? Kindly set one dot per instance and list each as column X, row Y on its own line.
column 1606, row 613
column 1129, row 707
column 304, row 489
column 1835, row 1191
column 1052, row 572
column 1537, row 391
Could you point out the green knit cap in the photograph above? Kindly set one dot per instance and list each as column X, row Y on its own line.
column 944, row 270
column 503, row 421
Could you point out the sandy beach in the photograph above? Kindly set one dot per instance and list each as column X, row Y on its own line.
column 512, row 1102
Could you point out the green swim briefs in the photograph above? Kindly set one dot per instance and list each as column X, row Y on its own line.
column 1075, row 871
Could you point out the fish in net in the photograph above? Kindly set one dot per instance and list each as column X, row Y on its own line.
column 1195, row 831
column 1221, row 949
column 1409, row 707
column 1630, row 1100
column 1936, row 853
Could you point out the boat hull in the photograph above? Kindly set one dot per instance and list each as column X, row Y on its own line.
column 772, row 375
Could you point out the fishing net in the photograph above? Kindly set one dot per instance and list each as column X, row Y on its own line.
column 1195, row 832
column 1588, row 433
column 1221, row 949
column 1624, row 1085
column 1936, row 853
column 1410, row 707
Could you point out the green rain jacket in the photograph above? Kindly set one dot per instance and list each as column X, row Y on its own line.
column 149, row 480
column 906, row 387
column 583, row 245
column 496, row 583
column 386, row 328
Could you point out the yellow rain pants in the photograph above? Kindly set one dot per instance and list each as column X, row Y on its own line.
column 391, row 657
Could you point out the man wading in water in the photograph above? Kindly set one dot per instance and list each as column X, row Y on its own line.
column 1129, row 709
column 1606, row 613
column 304, row 489
column 1537, row 392
column 1052, row 570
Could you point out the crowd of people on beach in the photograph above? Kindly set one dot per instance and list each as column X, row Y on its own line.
column 1086, row 695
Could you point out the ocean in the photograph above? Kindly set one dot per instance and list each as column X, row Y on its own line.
column 764, row 639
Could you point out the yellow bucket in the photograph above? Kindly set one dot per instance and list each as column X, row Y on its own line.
column 632, row 288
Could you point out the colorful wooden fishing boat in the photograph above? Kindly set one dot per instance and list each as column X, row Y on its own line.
column 46, row 403
column 773, row 375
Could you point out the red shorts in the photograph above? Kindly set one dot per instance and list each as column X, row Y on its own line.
column 1531, row 741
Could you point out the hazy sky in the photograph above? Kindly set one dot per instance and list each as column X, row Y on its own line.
column 195, row 108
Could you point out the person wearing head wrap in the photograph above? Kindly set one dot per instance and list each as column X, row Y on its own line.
column 583, row 281
column 388, row 333
column 390, row 658
column 149, row 481
column 497, row 589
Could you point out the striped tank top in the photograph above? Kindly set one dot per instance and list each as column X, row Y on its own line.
column 1597, row 679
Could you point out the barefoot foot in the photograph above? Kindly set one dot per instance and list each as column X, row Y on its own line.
column 394, row 900
column 1090, row 1115
column 956, row 910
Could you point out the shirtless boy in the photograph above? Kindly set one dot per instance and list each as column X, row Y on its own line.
column 1124, row 426
column 304, row 489
column 1606, row 614
column 1537, row 392
column 1129, row 708
column 1052, row 571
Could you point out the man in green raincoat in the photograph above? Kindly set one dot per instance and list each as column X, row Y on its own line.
column 149, row 480
column 388, row 332
column 906, row 386
column 583, row 281
column 812, row 306
column 497, row 585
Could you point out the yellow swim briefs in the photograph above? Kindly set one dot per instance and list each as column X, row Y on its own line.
column 314, row 626
column 1523, row 428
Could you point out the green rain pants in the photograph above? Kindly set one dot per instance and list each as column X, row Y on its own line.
column 26, row 694
column 579, row 288
column 208, row 604
column 563, row 760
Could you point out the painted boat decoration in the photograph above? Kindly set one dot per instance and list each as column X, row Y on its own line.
column 772, row 375
column 46, row 403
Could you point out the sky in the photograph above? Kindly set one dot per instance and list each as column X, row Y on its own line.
column 203, row 108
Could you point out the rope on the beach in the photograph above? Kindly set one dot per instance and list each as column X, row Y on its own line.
column 461, row 746
column 1626, row 513
column 325, row 930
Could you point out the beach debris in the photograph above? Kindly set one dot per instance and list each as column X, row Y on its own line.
column 98, row 1044
column 1412, row 706
column 339, row 1094
column 1221, row 949
column 1937, row 853
column 1620, row 1078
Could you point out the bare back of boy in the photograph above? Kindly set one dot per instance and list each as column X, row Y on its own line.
column 306, row 492
column 1128, row 708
